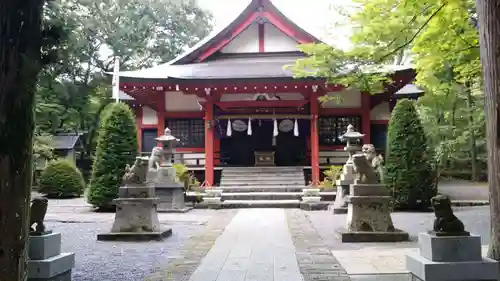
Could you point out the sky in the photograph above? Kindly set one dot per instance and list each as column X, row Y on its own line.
column 315, row 16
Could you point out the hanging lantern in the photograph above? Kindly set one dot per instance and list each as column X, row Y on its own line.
column 229, row 131
column 296, row 128
column 275, row 129
column 249, row 129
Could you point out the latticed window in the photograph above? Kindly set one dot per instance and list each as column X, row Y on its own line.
column 331, row 128
column 190, row 132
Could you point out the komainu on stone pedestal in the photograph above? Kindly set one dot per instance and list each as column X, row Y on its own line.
column 368, row 213
column 37, row 215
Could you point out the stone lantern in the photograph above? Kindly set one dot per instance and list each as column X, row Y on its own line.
column 170, row 192
column 351, row 137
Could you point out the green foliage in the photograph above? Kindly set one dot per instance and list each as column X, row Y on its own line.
column 331, row 176
column 408, row 171
column 116, row 147
column 61, row 179
column 185, row 177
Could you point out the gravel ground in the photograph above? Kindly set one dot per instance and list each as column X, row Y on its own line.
column 476, row 220
column 123, row 261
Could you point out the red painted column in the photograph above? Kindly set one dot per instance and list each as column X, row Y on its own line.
column 209, row 144
column 160, row 126
column 365, row 117
column 314, row 139
column 138, row 123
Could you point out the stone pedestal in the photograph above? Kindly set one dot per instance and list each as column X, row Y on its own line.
column 136, row 218
column 450, row 258
column 346, row 179
column 368, row 216
column 46, row 262
column 169, row 192
column 213, row 198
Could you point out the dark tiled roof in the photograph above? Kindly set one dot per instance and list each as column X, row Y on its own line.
column 65, row 142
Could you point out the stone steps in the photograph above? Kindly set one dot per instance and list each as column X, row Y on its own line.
column 325, row 196
column 254, row 182
column 261, row 204
column 262, row 188
column 246, row 177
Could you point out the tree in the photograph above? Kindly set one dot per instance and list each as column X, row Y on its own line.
column 24, row 49
column 489, row 29
column 116, row 147
column 407, row 171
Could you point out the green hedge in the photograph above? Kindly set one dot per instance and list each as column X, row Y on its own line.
column 408, row 171
column 116, row 147
column 61, row 179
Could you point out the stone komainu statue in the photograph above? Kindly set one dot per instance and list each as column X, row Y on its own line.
column 366, row 173
column 155, row 158
column 375, row 160
column 137, row 173
column 37, row 214
column 446, row 223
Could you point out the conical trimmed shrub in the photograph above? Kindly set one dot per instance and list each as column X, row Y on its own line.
column 408, row 171
column 61, row 179
column 116, row 147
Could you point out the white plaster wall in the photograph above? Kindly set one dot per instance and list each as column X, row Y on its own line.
column 381, row 112
column 246, row 42
column 277, row 41
column 149, row 116
column 347, row 99
column 178, row 101
column 241, row 97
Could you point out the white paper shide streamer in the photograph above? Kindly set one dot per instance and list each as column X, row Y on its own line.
column 249, row 130
column 296, row 128
column 229, row 130
column 275, row 129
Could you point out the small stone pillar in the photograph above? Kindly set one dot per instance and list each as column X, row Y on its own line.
column 46, row 262
column 348, row 174
column 136, row 218
column 449, row 253
column 170, row 192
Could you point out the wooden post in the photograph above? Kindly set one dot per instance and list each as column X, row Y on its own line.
column 366, row 117
column 160, row 125
column 209, row 144
column 138, row 124
column 314, row 139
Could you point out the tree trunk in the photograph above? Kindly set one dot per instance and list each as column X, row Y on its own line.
column 489, row 38
column 472, row 137
column 20, row 38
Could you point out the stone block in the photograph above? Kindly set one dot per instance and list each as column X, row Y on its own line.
column 171, row 198
column 212, row 202
column 314, row 206
column 367, row 236
column 339, row 210
column 427, row 270
column 44, row 246
column 313, row 192
column 136, row 191
column 311, row 199
column 136, row 215
column 368, row 190
column 450, row 248
column 65, row 276
column 51, row 267
column 135, row 236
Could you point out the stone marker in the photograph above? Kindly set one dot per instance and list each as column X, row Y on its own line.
column 163, row 175
column 368, row 217
column 46, row 262
column 136, row 218
column 347, row 176
column 448, row 252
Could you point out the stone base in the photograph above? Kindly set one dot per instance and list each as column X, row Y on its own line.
column 450, row 248
column 314, row 206
column 424, row 269
column 45, row 246
column 311, row 199
column 365, row 236
column 65, row 276
column 339, row 210
column 135, row 236
column 50, row 268
column 183, row 210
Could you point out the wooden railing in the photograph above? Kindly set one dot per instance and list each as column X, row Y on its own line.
column 191, row 159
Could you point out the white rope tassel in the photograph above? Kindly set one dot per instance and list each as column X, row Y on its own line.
column 275, row 129
column 229, row 130
column 249, row 130
column 296, row 128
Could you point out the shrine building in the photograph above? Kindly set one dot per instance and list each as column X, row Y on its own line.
column 231, row 102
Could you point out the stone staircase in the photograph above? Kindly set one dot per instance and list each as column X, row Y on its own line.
column 263, row 187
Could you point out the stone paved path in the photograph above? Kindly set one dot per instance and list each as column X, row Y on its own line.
column 256, row 246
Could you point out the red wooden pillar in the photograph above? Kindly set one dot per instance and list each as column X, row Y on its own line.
column 138, row 124
column 314, row 139
column 366, row 117
column 160, row 115
column 209, row 144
